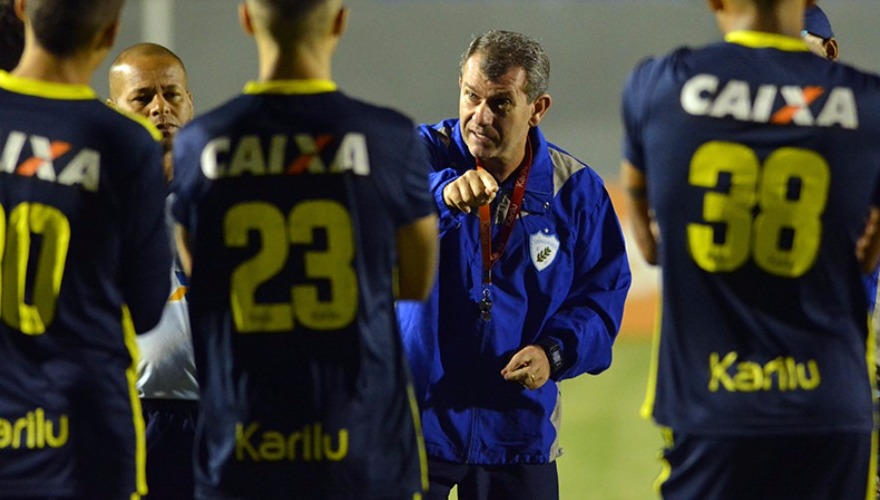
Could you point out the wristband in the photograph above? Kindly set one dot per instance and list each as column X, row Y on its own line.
column 554, row 354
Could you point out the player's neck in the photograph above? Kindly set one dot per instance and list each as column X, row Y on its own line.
column 782, row 21
column 37, row 64
column 299, row 63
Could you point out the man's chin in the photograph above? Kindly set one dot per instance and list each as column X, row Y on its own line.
column 480, row 150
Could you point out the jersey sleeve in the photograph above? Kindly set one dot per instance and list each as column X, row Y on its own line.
column 146, row 251
column 632, row 109
column 417, row 201
column 186, row 176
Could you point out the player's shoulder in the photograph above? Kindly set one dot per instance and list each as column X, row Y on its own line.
column 132, row 123
column 381, row 118
column 654, row 67
column 217, row 121
column 857, row 77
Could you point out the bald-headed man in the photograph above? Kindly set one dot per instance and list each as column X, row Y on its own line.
column 85, row 259
column 150, row 80
column 752, row 167
column 296, row 204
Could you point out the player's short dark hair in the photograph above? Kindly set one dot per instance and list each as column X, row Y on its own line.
column 292, row 19
column 504, row 50
column 11, row 36
column 64, row 27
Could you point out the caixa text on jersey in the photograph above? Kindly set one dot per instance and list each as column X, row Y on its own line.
column 279, row 154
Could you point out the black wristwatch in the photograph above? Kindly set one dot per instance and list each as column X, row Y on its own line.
column 554, row 354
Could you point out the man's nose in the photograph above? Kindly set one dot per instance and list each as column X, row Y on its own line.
column 483, row 114
column 159, row 106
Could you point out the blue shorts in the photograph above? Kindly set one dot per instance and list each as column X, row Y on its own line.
column 171, row 427
column 796, row 466
column 485, row 482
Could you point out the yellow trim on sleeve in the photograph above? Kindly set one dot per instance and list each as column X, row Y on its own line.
column 48, row 90
column 420, row 440
column 145, row 122
column 290, row 87
column 647, row 408
column 764, row 40
column 129, row 335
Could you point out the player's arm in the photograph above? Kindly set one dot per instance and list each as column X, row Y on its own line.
column 868, row 246
column 181, row 235
column 639, row 211
column 417, row 258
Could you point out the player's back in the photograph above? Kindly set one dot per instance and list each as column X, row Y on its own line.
column 82, row 242
column 293, row 204
column 761, row 162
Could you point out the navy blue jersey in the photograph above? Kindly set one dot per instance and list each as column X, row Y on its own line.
column 761, row 162
column 292, row 195
column 82, row 236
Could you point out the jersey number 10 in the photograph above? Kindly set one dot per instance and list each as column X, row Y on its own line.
column 15, row 248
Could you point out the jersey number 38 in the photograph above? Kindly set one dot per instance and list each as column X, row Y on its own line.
column 771, row 212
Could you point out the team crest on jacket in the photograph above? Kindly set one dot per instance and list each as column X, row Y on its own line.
column 542, row 248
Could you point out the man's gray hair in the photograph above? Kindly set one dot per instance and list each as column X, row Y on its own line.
column 504, row 50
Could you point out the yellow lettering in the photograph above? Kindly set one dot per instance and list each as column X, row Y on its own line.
column 341, row 451
column 782, row 373
column 17, row 429
column 61, row 439
column 272, row 447
column 293, row 440
column 5, row 433
column 813, row 380
column 243, row 442
column 749, row 377
column 33, row 431
column 718, row 369
column 777, row 367
column 308, row 444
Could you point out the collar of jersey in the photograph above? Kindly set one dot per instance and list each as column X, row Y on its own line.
column 764, row 40
column 50, row 90
column 290, row 87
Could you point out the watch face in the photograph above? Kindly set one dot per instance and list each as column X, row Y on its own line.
column 555, row 358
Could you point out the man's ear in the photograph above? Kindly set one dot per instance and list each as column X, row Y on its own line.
column 542, row 105
column 108, row 37
column 832, row 51
column 18, row 7
column 244, row 17
column 341, row 21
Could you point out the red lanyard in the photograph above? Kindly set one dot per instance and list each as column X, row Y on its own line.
column 519, row 190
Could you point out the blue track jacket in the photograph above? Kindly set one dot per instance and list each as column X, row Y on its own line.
column 564, row 275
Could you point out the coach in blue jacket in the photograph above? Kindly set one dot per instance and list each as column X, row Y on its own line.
column 532, row 281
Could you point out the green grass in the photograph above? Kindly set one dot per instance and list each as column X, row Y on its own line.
column 610, row 452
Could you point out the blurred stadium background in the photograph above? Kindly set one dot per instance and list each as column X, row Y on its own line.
column 404, row 54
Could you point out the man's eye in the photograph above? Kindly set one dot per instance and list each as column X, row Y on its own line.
column 502, row 104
